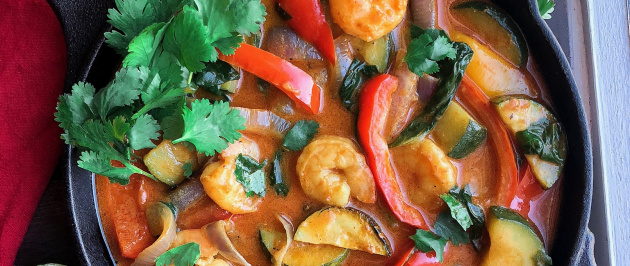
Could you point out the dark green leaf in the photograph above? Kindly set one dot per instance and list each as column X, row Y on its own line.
column 186, row 38
column 531, row 139
column 358, row 73
column 188, row 171
column 449, row 229
column 215, row 74
column 122, row 91
column 300, row 135
column 553, row 144
column 426, row 49
column 251, row 175
column 278, row 180
column 450, row 76
column 184, row 255
column 427, row 242
column 459, row 212
column 144, row 130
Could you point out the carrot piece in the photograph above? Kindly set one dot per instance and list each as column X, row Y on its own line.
column 130, row 223
column 498, row 136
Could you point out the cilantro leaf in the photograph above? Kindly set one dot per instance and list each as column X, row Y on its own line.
column 188, row 171
column 458, row 210
column 278, row 180
column 225, row 18
column 427, row 242
column 186, row 38
column 210, row 127
column 447, row 228
column 250, row 174
column 99, row 163
column 184, row 255
column 143, row 131
column 75, row 108
column 545, row 7
column 132, row 16
column 426, row 50
column 143, row 47
column 298, row 137
column 120, row 127
column 122, row 91
column 157, row 95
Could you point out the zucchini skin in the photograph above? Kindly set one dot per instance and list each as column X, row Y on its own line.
column 318, row 255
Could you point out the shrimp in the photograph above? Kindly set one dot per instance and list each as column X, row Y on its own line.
column 220, row 183
column 428, row 170
column 368, row 19
column 331, row 169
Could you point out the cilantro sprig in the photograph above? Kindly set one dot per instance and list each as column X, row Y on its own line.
column 184, row 255
column 427, row 48
column 545, row 7
column 163, row 43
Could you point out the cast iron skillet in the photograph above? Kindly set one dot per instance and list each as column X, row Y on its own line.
column 573, row 245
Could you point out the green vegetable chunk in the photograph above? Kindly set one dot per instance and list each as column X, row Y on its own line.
column 184, row 255
column 512, row 240
column 450, row 75
column 496, row 28
column 457, row 133
column 300, row 135
column 251, row 175
column 300, row 253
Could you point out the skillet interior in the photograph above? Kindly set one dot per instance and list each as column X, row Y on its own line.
column 102, row 62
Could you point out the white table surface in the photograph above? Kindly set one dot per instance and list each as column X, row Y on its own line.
column 595, row 37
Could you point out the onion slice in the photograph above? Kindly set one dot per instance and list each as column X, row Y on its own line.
column 264, row 121
column 161, row 221
column 288, row 229
column 217, row 235
column 423, row 13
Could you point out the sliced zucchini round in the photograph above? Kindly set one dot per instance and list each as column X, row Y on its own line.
column 496, row 28
column 512, row 240
column 377, row 52
column 302, row 254
column 457, row 133
column 535, row 126
column 166, row 162
column 345, row 228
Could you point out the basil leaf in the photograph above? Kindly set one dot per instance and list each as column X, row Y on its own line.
column 278, row 180
column 531, row 138
column 298, row 137
column 449, row 229
column 427, row 242
column 358, row 73
column 251, row 175
column 213, row 75
column 553, row 146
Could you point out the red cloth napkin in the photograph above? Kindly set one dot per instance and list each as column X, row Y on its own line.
column 32, row 74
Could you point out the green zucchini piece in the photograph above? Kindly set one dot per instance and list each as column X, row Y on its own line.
column 457, row 133
column 345, row 228
column 539, row 134
column 377, row 52
column 512, row 240
column 496, row 28
column 300, row 253
column 450, row 76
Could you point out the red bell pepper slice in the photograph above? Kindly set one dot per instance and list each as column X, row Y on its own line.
column 528, row 190
column 293, row 81
column 309, row 22
column 498, row 135
column 414, row 257
column 374, row 104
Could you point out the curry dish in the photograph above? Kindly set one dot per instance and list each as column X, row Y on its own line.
column 340, row 132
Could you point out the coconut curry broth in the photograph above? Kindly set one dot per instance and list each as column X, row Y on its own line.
column 479, row 169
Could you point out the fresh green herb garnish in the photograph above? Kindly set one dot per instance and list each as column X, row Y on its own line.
column 210, row 127
column 449, row 229
column 214, row 75
column 458, row 210
column 545, row 139
column 278, row 180
column 427, row 242
column 358, row 73
column 298, row 137
column 184, row 255
column 426, row 49
column 450, row 76
column 251, row 175
column 188, row 171
column 545, row 7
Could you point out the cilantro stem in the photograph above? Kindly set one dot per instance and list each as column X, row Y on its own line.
column 137, row 170
column 190, row 78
